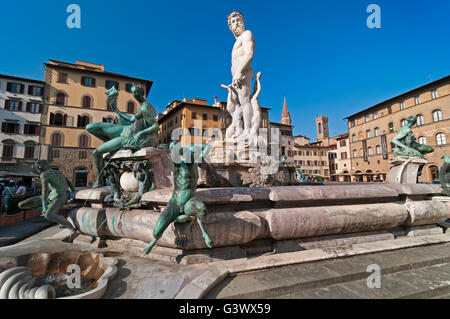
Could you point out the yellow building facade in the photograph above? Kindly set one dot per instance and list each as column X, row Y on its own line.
column 194, row 116
column 371, row 131
column 74, row 96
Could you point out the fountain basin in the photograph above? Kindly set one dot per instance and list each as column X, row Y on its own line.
column 55, row 275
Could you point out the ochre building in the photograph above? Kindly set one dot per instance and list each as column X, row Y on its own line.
column 372, row 130
column 74, row 96
column 197, row 120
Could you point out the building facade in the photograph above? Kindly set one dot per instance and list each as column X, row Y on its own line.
column 198, row 120
column 312, row 158
column 20, row 116
column 194, row 116
column 74, row 97
column 371, row 131
column 339, row 157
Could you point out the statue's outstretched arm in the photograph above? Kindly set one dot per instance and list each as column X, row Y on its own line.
column 112, row 100
column 71, row 187
column 124, row 116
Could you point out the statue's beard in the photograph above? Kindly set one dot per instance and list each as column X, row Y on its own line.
column 238, row 30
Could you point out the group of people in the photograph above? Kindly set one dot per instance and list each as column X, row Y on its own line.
column 11, row 189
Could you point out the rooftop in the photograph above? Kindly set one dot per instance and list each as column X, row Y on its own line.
column 96, row 69
column 430, row 84
column 16, row 78
column 178, row 105
column 280, row 124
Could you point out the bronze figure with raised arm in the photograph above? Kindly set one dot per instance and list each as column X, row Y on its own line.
column 133, row 132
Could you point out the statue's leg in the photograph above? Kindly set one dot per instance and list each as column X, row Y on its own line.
column 244, row 94
column 107, row 147
column 52, row 212
column 424, row 149
column 31, row 203
column 233, row 108
column 195, row 207
column 168, row 216
column 104, row 131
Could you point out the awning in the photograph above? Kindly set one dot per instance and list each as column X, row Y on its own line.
column 19, row 170
column 18, row 173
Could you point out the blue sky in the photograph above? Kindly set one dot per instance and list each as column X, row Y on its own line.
column 319, row 54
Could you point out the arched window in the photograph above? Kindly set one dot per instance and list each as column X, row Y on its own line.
column 379, row 149
column 87, row 101
column 434, row 172
column 320, row 128
column 130, row 107
column 56, row 139
column 391, row 127
column 354, row 139
column 441, row 139
column 58, row 119
column 370, row 150
column 83, row 121
column 60, row 99
column 377, row 131
column 423, row 140
column 355, row 153
column 437, row 115
column 29, row 150
column 8, row 149
column 420, row 120
column 368, row 134
column 403, row 122
column 83, row 141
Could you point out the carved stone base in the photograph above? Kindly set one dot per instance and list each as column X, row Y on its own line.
column 405, row 170
column 239, row 165
column 130, row 175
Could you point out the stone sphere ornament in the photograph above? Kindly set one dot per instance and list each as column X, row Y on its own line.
column 129, row 183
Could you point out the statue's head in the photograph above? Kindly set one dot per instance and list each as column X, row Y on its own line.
column 236, row 23
column 41, row 166
column 412, row 120
column 138, row 92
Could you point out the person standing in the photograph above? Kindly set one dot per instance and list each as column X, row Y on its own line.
column 22, row 190
column 9, row 191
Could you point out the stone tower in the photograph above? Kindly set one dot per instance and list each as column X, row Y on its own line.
column 322, row 127
column 285, row 115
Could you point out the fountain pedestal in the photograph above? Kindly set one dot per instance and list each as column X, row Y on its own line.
column 130, row 175
column 405, row 170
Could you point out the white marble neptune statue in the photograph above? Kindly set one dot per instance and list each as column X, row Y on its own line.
column 242, row 105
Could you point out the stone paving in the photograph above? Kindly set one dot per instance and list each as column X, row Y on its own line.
column 14, row 233
column 411, row 267
column 419, row 272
